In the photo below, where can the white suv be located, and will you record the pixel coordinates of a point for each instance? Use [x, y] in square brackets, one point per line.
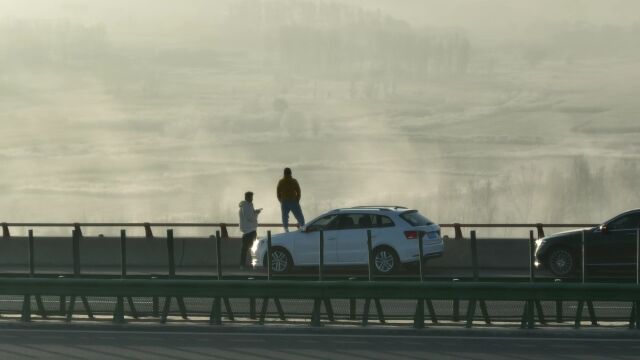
[394, 230]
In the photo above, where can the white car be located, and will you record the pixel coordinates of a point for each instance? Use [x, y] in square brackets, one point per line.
[394, 231]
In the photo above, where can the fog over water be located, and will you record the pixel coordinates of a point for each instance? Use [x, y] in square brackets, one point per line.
[469, 110]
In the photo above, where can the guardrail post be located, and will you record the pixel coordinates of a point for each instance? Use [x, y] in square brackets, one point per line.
[317, 302]
[223, 231]
[63, 302]
[118, 316]
[533, 305]
[123, 272]
[352, 304]
[76, 235]
[367, 301]
[155, 301]
[215, 317]
[471, 309]
[5, 231]
[457, 231]
[265, 300]
[321, 253]
[148, 233]
[540, 229]
[218, 255]
[418, 321]
[634, 320]
[172, 275]
[32, 272]
[26, 309]
[328, 307]
[27, 299]
[315, 316]
[227, 303]
[592, 312]
[26, 302]
[559, 315]
[456, 306]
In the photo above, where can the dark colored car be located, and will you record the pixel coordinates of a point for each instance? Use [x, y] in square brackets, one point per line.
[611, 246]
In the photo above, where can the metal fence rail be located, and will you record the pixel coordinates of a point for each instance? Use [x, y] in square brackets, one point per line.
[224, 226]
[471, 292]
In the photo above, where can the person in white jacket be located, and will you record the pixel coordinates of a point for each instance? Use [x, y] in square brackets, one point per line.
[248, 225]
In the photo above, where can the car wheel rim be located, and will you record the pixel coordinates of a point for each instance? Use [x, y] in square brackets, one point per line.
[279, 261]
[384, 261]
[561, 262]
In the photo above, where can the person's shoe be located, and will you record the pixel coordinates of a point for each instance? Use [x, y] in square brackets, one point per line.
[286, 229]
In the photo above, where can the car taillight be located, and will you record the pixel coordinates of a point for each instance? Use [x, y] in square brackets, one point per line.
[410, 235]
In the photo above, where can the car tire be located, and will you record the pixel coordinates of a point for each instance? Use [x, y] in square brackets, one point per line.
[385, 261]
[281, 261]
[561, 262]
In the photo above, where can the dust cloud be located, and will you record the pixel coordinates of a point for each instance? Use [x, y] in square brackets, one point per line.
[471, 111]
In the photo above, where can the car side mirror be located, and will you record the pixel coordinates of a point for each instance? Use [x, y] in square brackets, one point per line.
[604, 229]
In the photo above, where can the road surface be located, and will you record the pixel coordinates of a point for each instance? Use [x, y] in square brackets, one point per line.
[80, 342]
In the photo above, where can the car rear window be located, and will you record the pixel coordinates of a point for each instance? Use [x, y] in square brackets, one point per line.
[414, 218]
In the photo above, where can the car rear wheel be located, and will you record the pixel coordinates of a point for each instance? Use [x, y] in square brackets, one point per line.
[561, 262]
[385, 261]
[281, 261]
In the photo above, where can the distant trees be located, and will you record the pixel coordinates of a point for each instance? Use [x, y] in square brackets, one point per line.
[44, 43]
[329, 40]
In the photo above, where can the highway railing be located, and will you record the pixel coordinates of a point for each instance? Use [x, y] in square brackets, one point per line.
[327, 291]
[223, 227]
[474, 293]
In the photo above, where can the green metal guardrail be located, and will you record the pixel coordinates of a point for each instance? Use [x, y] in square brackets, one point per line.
[321, 291]
[419, 291]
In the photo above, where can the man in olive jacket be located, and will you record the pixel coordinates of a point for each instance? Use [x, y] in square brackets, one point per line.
[289, 196]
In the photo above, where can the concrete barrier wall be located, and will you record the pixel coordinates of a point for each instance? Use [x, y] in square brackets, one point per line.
[200, 252]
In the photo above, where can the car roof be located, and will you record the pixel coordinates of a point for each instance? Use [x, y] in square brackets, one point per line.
[373, 209]
[622, 214]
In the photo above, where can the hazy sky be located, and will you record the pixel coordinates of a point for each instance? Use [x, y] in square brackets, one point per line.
[480, 111]
[488, 18]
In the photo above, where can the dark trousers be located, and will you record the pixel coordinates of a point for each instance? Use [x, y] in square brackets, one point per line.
[247, 242]
[291, 206]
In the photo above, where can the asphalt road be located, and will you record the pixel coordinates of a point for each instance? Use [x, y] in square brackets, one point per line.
[73, 342]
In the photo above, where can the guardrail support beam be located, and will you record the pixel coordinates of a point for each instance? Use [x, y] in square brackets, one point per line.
[172, 274]
[540, 229]
[148, 233]
[592, 313]
[457, 231]
[5, 231]
[634, 320]
[76, 236]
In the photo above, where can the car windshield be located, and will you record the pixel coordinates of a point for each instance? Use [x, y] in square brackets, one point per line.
[321, 223]
[414, 218]
[631, 220]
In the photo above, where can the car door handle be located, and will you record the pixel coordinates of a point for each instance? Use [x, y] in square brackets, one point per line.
[331, 238]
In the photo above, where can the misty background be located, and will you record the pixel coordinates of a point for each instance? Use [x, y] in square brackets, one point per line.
[469, 110]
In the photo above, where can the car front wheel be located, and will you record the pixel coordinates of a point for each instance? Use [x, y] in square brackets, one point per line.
[561, 262]
[281, 261]
[385, 261]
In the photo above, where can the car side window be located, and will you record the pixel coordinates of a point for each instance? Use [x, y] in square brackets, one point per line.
[343, 222]
[627, 222]
[365, 221]
[323, 223]
[384, 221]
[368, 221]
